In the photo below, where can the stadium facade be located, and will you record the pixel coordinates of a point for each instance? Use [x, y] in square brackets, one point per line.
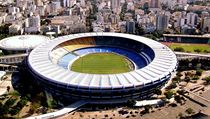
[154, 63]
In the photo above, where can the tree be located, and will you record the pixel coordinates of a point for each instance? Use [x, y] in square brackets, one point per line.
[169, 94]
[181, 92]
[157, 91]
[179, 49]
[146, 7]
[197, 50]
[187, 79]
[147, 108]
[199, 72]
[4, 29]
[176, 79]
[178, 99]
[189, 111]
[131, 103]
[2, 110]
[207, 79]
[195, 78]
[139, 30]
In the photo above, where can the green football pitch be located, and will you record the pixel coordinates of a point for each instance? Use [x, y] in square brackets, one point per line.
[102, 63]
[189, 47]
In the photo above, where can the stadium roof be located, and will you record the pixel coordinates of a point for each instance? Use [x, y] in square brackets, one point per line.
[22, 42]
[162, 65]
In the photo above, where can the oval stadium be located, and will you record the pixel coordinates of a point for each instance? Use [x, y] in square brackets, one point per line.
[102, 67]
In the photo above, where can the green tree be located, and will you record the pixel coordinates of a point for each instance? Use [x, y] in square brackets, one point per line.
[197, 50]
[187, 79]
[146, 7]
[169, 94]
[139, 30]
[179, 49]
[207, 79]
[199, 72]
[189, 111]
[131, 102]
[178, 99]
[147, 108]
[157, 91]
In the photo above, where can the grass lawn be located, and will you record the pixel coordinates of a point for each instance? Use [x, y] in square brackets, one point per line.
[102, 63]
[189, 47]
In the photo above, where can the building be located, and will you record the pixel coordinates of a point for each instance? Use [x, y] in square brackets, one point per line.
[206, 25]
[38, 3]
[21, 43]
[32, 24]
[54, 7]
[162, 21]
[15, 29]
[82, 3]
[154, 4]
[192, 19]
[130, 26]
[115, 6]
[68, 3]
[13, 10]
[49, 71]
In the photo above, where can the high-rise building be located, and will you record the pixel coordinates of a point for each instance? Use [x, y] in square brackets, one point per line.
[155, 4]
[38, 3]
[34, 21]
[130, 26]
[162, 22]
[115, 6]
[192, 19]
[82, 3]
[32, 24]
[206, 25]
[68, 3]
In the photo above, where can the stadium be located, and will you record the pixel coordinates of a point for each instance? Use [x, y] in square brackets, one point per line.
[102, 67]
[21, 43]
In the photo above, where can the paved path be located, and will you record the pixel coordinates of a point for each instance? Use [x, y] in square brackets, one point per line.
[61, 112]
[198, 98]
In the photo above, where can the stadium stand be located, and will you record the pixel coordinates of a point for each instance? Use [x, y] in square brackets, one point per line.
[65, 60]
[139, 54]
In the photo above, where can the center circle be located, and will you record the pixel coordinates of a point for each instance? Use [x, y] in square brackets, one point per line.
[102, 63]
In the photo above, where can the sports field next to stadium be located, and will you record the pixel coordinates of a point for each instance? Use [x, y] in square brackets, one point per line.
[102, 63]
[189, 47]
